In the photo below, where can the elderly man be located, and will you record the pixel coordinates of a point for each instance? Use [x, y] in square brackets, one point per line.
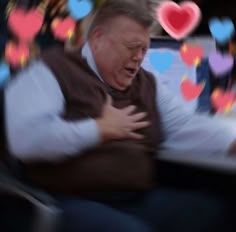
[87, 123]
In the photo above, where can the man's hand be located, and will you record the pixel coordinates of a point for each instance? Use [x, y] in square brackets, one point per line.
[120, 123]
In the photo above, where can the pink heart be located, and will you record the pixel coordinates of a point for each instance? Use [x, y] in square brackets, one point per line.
[63, 28]
[191, 54]
[178, 20]
[220, 63]
[190, 90]
[25, 24]
[222, 101]
[16, 55]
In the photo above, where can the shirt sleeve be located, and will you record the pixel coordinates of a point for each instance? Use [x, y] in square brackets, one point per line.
[35, 130]
[184, 130]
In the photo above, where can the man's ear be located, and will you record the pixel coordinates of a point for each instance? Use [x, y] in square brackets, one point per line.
[97, 33]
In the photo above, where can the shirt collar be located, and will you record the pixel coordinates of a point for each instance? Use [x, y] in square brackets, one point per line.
[87, 54]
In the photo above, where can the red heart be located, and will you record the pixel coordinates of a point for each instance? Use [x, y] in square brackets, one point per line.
[16, 55]
[63, 28]
[178, 20]
[190, 90]
[222, 101]
[25, 24]
[191, 54]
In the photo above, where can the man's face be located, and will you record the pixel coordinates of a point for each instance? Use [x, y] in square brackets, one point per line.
[118, 49]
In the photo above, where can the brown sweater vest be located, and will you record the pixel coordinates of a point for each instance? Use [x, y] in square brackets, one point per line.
[119, 165]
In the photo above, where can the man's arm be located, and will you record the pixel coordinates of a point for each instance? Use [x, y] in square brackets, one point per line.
[36, 130]
[34, 127]
[189, 132]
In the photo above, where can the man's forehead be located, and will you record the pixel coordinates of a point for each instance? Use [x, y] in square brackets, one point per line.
[136, 34]
[136, 39]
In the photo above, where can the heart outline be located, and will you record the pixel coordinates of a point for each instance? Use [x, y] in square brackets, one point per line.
[216, 61]
[191, 54]
[191, 8]
[222, 101]
[216, 25]
[16, 55]
[190, 90]
[25, 24]
[4, 72]
[74, 8]
[63, 28]
[161, 60]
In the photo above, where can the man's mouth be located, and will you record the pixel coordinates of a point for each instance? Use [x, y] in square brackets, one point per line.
[131, 71]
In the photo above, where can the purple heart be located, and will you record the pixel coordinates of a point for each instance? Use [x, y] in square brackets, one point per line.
[219, 63]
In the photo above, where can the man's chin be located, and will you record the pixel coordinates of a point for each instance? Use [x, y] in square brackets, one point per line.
[125, 85]
[122, 85]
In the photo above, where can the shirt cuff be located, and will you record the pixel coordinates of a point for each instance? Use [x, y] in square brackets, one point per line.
[89, 134]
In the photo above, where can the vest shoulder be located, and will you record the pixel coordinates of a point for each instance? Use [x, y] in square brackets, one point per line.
[148, 75]
[145, 72]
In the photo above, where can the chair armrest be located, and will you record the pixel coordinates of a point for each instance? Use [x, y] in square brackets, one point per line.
[211, 172]
[47, 213]
[221, 162]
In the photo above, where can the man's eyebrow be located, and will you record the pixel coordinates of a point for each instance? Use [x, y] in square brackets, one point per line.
[136, 43]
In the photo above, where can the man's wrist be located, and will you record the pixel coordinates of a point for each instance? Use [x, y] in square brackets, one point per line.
[102, 130]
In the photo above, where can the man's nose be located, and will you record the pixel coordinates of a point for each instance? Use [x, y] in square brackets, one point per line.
[138, 55]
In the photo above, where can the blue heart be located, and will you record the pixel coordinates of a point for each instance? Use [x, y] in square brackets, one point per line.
[161, 61]
[223, 30]
[4, 73]
[79, 8]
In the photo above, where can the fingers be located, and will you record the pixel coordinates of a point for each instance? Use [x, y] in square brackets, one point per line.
[133, 135]
[139, 125]
[129, 109]
[139, 116]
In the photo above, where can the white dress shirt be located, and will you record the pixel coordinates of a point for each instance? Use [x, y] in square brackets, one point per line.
[36, 130]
